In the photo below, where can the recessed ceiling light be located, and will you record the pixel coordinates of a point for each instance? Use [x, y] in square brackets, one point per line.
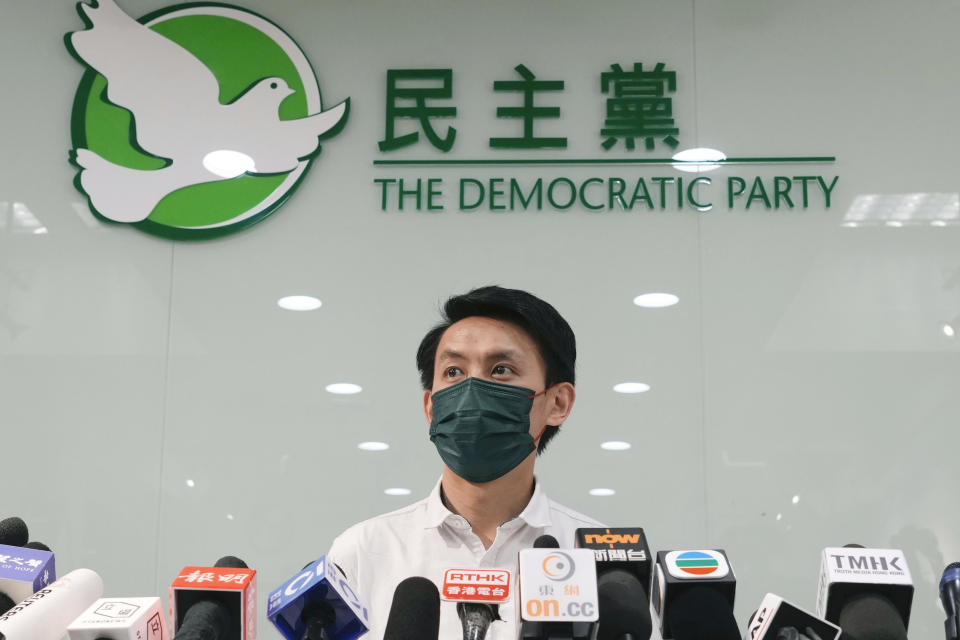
[299, 303]
[939, 223]
[698, 159]
[191, 483]
[949, 331]
[779, 516]
[656, 300]
[796, 499]
[397, 491]
[344, 388]
[229, 516]
[893, 223]
[602, 492]
[631, 387]
[39, 231]
[850, 225]
[373, 446]
[615, 445]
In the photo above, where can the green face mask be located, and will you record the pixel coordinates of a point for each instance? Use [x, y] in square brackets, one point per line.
[482, 429]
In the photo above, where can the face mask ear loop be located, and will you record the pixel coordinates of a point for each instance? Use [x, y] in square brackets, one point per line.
[536, 441]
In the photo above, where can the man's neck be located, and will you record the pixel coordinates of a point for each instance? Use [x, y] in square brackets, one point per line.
[487, 505]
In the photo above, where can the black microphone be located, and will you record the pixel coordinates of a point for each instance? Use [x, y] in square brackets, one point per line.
[546, 541]
[950, 597]
[212, 613]
[415, 611]
[868, 592]
[871, 616]
[475, 617]
[5, 603]
[39, 546]
[13, 532]
[619, 548]
[624, 613]
[693, 594]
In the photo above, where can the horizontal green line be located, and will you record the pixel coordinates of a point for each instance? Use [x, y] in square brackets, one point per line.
[568, 161]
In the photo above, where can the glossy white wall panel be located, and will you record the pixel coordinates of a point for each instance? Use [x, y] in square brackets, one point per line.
[804, 358]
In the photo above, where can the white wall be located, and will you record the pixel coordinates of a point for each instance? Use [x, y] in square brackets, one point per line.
[805, 358]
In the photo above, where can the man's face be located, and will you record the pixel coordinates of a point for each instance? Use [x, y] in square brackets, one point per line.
[490, 349]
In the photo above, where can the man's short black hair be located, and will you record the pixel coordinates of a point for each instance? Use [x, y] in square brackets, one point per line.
[550, 332]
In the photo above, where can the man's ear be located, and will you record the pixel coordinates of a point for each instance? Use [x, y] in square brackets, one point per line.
[428, 406]
[561, 398]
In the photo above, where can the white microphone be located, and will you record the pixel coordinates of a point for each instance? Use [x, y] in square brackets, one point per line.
[46, 614]
[120, 619]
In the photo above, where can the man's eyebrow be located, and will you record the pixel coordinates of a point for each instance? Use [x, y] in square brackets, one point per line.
[450, 354]
[505, 354]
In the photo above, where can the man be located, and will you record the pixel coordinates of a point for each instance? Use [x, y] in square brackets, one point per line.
[498, 375]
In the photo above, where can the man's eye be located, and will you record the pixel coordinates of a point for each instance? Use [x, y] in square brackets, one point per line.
[501, 370]
[452, 372]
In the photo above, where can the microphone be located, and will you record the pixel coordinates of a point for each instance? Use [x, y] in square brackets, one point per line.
[693, 593]
[215, 603]
[871, 616]
[46, 614]
[475, 618]
[478, 593]
[24, 571]
[546, 541]
[414, 612]
[950, 597]
[120, 619]
[13, 532]
[860, 587]
[33, 544]
[619, 548]
[624, 613]
[558, 592]
[777, 619]
[318, 604]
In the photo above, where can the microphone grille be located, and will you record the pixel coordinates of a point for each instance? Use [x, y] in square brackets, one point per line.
[953, 565]
[415, 611]
[39, 546]
[546, 541]
[232, 562]
[13, 532]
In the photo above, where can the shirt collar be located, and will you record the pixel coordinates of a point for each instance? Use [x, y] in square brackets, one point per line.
[535, 514]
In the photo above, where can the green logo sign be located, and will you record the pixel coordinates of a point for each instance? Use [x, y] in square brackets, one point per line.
[193, 121]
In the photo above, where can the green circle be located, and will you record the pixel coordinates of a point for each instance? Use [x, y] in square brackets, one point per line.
[238, 55]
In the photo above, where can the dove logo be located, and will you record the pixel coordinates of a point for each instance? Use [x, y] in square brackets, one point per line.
[193, 121]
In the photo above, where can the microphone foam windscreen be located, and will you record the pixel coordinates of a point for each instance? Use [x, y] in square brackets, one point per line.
[415, 612]
[39, 546]
[623, 606]
[205, 620]
[232, 562]
[702, 613]
[13, 532]
[546, 541]
[953, 565]
[871, 616]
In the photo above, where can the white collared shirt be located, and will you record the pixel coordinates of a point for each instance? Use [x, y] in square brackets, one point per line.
[425, 539]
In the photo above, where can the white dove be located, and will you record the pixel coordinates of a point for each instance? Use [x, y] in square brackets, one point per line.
[177, 114]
